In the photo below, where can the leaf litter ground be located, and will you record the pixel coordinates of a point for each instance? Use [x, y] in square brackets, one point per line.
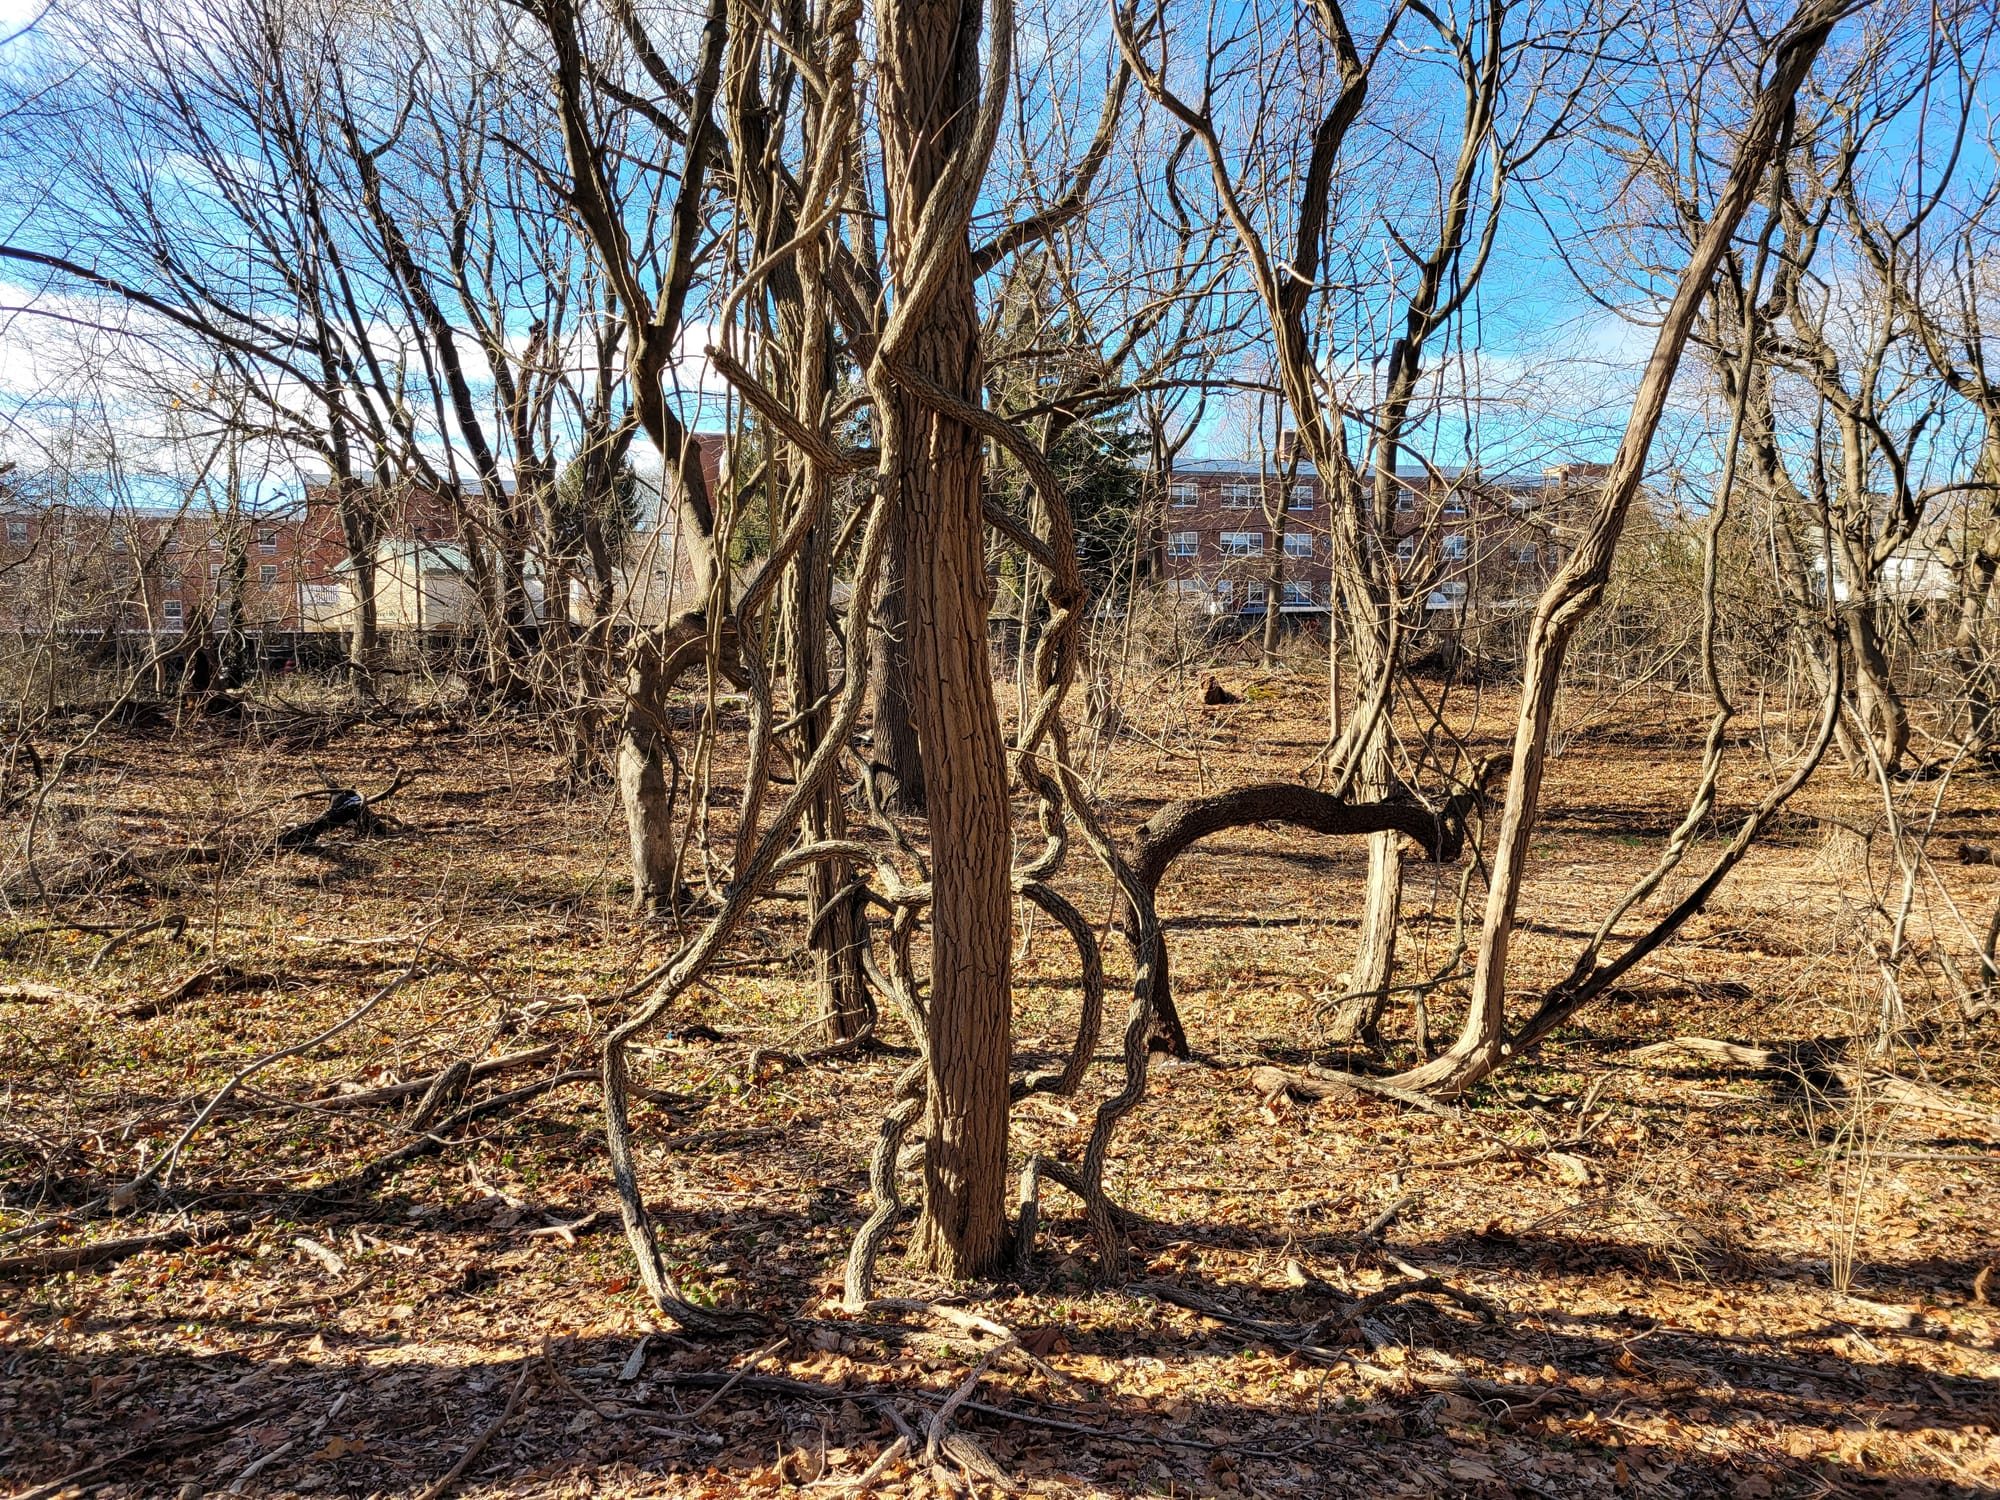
[1663, 1267]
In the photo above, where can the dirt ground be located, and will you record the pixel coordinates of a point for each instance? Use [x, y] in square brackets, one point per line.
[1680, 1279]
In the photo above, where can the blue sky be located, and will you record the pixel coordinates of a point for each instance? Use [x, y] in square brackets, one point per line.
[1545, 370]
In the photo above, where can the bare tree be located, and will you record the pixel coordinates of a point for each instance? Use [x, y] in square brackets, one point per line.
[1484, 1043]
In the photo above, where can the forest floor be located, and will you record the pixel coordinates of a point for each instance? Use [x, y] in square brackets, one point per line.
[1699, 1280]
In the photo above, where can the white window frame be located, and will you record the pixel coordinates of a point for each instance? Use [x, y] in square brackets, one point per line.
[267, 540]
[1406, 500]
[1452, 548]
[1298, 544]
[172, 612]
[1242, 543]
[1184, 544]
[267, 575]
[1302, 497]
[1238, 495]
[1454, 504]
[1183, 494]
[1253, 591]
[1297, 596]
[1406, 549]
[1187, 587]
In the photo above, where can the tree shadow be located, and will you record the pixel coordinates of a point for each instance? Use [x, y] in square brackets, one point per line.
[1423, 1400]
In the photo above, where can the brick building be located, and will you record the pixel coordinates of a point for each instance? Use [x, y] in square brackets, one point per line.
[104, 572]
[1471, 545]
[93, 571]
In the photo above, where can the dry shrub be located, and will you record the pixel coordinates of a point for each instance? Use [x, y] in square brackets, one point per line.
[1844, 852]
[1668, 1209]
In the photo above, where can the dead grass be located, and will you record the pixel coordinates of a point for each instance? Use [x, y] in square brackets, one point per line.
[1669, 1318]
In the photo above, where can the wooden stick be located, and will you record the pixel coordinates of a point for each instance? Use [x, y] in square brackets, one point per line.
[479, 1443]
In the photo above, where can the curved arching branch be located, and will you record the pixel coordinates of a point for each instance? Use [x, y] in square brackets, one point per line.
[1178, 826]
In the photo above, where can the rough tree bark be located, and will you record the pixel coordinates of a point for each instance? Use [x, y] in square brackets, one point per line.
[895, 731]
[937, 137]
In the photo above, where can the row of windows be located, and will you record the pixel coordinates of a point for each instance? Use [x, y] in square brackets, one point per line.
[1185, 494]
[174, 614]
[170, 575]
[1238, 544]
[1223, 590]
[1452, 546]
[267, 538]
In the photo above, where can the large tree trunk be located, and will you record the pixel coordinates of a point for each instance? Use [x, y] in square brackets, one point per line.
[965, 1171]
[643, 784]
[895, 730]
[1881, 705]
[1358, 1017]
[935, 142]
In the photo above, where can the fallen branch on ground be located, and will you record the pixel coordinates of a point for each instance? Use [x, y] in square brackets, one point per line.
[395, 1093]
[1819, 1065]
[434, 1139]
[126, 1194]
[173, 921]
[104, 1252]
[217, 979]
[347, 807]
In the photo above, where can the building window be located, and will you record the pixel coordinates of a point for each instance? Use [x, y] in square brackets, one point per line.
[1186, 587]
[1454, 547]
[1449, 595]
[267, 539]
[215, 541]
[1184, 544]
[1298, 595]
[17, 532]
[1240, 496]
[171, 613]
[267, 575]
[214, 571]
[1301, 497]
[1254, 594]
[1183, 494]
[1527, 555]
[1298, 544]
[1406, 500]
[170, 576]
[1242, 544]
[1454, 503]
[119, 543]
[1406, 549]
[1225, 591]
